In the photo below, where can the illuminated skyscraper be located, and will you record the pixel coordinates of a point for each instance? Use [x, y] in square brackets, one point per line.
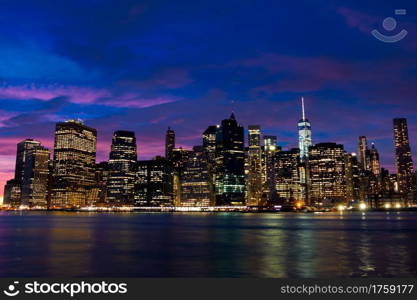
[230, 161]
[122, 173]
[403, 159]
[327, 172]
[12, 193]
[35, 177]
[154, 183]
[352, 177]
[169, 143]
[196, 183]
[74, 163]
[22, 148]
[364, 154]
[270, 149]
[254, 177]
[209, 143]
[287, 176]
[374, 161]
[304, 134]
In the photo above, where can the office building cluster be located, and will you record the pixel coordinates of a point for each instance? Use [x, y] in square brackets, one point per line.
[222, 171]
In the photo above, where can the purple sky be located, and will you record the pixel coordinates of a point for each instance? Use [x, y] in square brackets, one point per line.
[147, 65]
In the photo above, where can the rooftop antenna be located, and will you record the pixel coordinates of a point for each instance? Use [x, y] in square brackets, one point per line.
[302, 107]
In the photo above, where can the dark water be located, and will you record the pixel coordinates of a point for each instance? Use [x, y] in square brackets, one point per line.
[208, 245]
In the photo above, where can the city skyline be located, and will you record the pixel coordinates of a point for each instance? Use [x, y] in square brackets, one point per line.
[222, 170]
[247, 129]
[145, 65]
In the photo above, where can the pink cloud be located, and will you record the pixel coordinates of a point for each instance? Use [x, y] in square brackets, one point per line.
[80, 95]
[355, 19]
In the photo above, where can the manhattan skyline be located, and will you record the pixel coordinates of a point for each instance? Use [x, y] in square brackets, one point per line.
[149, 65]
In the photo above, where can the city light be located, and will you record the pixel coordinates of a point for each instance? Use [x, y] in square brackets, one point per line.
[362, 206]
[387, 205]
[341, 208]
[397, 205]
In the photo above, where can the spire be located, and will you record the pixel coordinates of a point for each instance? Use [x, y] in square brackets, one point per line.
[232, 116]
[302, 107]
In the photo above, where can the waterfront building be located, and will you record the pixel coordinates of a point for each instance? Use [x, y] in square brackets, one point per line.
[154, 183]
[74, 163]
[36, 177]
[364, 154]
[169, 143]
[122, 173]
[22, 148]
[375, 165]
[269, 172]
[254, 176]
[327, 173]
[403, 158]
[196, 183]
[287, 172]
[353, 177]
[12, 193]
[230, 160]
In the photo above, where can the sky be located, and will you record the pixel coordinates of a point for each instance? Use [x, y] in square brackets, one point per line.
[147, 65]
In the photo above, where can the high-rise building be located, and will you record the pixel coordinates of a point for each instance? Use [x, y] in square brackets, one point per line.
[327, 173]
[230, 161]
[254, 176]
[196, 183]
[122, 164]
[403, 158]
[169, 143]
[154, 183]
[304, 134]
[374, 161]
[22, 148]
[364, 154]
[353, 173]
[209, 143]
[287, 172]
[35, 177]
[102, 173]
[74, 163]
[12, 193]
[270, 149]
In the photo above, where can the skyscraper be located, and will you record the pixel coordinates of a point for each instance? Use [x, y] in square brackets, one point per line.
[122, 163]
[254, 177]
[403, 159]
[230, 161]
[22, 148]
[74, 163]
[35, 177]
[270, 149]
[287, 176]
[154, 184]
[364, 154]
[169, 143]
[304, 134]
[327, 172]
[374, 161]
[209, 142]
[196, 183]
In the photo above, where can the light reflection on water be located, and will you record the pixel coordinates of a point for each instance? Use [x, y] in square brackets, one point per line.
[208, 245]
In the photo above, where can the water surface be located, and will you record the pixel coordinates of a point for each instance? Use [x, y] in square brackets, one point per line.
[208, 244]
